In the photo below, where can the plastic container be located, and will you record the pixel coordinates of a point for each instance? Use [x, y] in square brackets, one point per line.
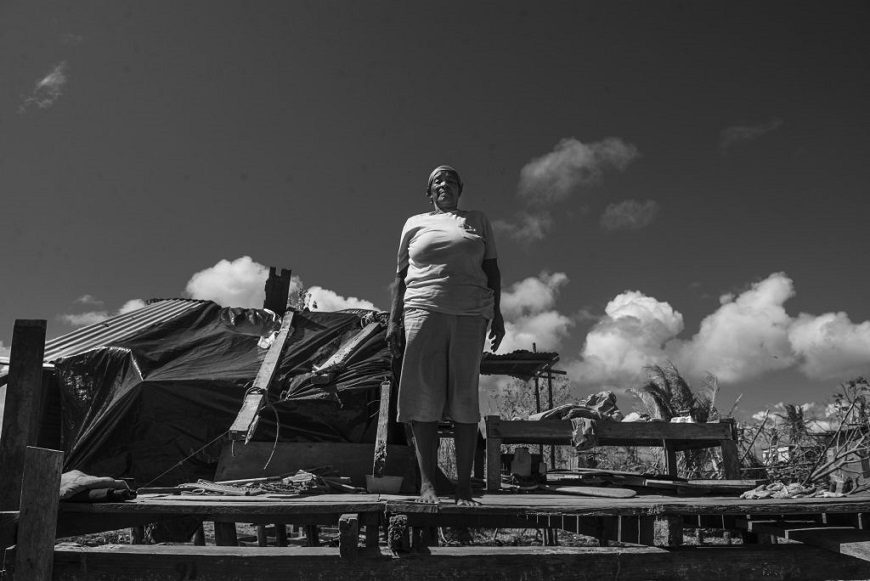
[383, 484]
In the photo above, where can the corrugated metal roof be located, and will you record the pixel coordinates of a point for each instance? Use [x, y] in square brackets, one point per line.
[118, 328]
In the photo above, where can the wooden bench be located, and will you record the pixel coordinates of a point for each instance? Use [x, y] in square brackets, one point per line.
[672, 437]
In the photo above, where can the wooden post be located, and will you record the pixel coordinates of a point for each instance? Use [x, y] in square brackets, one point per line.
[277, 291]
[398, 535]
[493, 454]
[262, 539]
[312, 535]
[372, 522]
[348, 535]
[670, 458]
[225, 534]
[661, 530]
[40, 496]
[21, 417]
[280, 535]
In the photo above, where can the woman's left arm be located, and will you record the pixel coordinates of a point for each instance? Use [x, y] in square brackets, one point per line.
[493, 281]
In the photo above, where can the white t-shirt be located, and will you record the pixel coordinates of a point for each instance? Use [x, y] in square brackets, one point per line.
[444, 253]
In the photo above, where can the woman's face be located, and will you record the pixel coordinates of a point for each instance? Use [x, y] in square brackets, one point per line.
[445, 191]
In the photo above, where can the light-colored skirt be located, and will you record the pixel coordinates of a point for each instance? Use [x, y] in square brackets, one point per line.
[441, 367]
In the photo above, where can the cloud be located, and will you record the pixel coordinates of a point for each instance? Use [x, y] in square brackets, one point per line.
[530, 316]
[89, 300]
[84, 319]
[736, 134]
[237, 283]
[831, 346]
[748, 335]
[48, 89]
[571, 165]
[97, 316]
[4, 350]
[528, 226]
[633, 334]
[629, 215]
[321, 299]
[131, 305]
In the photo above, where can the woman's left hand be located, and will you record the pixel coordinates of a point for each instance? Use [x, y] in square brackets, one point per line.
[496, 331]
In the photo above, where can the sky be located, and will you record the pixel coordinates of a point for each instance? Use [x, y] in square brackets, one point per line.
[669, 181]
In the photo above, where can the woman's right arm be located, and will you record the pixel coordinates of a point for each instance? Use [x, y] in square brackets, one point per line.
[395, 338]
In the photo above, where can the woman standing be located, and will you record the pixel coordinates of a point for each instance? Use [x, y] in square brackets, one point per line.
[447, 293]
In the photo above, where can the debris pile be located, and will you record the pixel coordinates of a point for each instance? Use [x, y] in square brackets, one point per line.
[794, 490]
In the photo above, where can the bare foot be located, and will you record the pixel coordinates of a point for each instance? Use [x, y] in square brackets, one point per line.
[463, 496]
[427, 494]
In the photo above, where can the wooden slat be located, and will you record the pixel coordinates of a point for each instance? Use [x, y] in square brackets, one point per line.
[164, 563]
[337, 361]
[380, 458]
[39, 502]
[245, 423]
[225, 534]
[844, 540]
[616, 433]
[21, 414]
[348, 536]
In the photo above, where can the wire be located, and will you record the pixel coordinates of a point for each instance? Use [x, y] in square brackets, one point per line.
[185, 459]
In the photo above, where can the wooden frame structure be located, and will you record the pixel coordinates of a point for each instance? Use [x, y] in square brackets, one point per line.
[672, 437]
[831, 532]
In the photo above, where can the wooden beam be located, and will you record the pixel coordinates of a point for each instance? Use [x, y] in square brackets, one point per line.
[337, 362]
[21, 415]
[39, 501]
[170, 563]
[380, 459]
[348, 536]
[225, 534]
[277, 291]
[246, 421]
[493, 453]
[843, 540]
[8, 528]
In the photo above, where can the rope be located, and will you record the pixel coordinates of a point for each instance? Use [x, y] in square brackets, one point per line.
[185, 459]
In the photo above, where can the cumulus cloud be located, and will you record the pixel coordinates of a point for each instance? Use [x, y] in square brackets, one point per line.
[633, 333]
[4, 350]
[237, 283]
[629, 215]
[750, 334]
[48, 89]
[831, 346]
[736, 134]
[746, 336]
[527, 227]
[559, 174]
[97, 316]
[89, 300]
[321, 299]
[528, 307]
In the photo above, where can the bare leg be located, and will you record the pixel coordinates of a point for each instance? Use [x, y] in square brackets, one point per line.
[465, 436]
[426, 439]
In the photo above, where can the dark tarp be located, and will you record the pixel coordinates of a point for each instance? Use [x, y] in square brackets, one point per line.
[160, 401]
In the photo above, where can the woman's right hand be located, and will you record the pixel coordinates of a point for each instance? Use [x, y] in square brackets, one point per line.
[395, 339]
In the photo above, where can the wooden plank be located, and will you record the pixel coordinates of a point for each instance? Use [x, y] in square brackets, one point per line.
[336, 363]
[371, 521]
[348, 536]
[353, 460]
[380, 456]
[23, 406]
[839, 539]
[597, 491]
[165, 563]
[670, 459]
[39, 502]
[245, 423]
[493, 453]
[609, 433]
[730, 459]
[312, 536]
[262, 538]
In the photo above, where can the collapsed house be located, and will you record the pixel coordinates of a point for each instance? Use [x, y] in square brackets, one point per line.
[152, 394]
